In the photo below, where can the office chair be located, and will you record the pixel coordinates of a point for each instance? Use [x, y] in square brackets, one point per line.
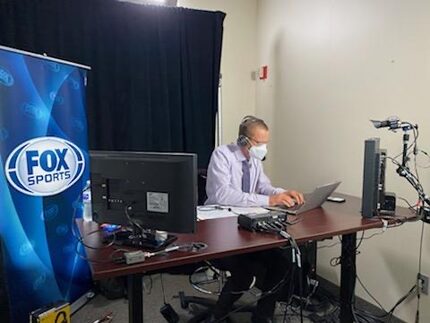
[213, 278]
[208, 278]
[212, 283]
[201, 185]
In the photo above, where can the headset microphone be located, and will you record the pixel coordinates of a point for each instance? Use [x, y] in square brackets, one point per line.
[242, 140]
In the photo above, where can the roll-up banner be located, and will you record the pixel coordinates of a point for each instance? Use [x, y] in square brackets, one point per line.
[43, 171]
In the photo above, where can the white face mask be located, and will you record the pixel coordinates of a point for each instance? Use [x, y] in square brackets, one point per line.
[259, 151]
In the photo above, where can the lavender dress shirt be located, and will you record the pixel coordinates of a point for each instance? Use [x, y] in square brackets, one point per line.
[224, 179]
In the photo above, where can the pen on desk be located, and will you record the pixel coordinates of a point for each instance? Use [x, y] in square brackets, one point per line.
[106, 318]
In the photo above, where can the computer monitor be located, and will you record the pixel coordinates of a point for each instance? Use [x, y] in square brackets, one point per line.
[373, 194]
[149, 190]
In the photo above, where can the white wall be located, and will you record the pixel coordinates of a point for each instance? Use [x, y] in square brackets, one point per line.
[333, 65]
[238, 60]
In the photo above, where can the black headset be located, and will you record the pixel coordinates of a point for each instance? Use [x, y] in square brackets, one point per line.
[61, 317]
[243, 140]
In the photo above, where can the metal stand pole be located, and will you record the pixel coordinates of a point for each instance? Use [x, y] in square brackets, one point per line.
[218, 130]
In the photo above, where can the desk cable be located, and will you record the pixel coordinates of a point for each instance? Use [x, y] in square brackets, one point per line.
[296, 258]
[362, 315]
[80, 241]
[78, 237]
[275, 289]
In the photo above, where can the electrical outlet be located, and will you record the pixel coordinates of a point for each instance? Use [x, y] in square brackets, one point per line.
[423, 283]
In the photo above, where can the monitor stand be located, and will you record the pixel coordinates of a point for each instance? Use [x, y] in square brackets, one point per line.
[137, 238]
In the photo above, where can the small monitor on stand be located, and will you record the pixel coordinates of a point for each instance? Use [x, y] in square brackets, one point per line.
[375, 200]
[145, 192]
[371, 177]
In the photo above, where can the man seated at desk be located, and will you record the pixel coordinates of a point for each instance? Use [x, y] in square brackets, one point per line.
[235, 177]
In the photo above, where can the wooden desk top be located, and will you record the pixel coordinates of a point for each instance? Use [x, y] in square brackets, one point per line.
[225, 239]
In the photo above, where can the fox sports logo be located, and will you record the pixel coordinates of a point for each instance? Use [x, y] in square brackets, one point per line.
[44, 166]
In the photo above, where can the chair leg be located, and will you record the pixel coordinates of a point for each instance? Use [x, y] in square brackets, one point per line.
[200, 317]
[210, 305]
[203, 314]
[186, 300]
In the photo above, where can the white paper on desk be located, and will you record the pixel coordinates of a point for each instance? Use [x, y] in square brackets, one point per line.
[213, 214]
[249, 210]
[227, 211]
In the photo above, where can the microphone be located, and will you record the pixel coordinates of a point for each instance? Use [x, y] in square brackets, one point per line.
[391, 122]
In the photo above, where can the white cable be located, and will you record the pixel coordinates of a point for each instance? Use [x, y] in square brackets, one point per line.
[385, 225]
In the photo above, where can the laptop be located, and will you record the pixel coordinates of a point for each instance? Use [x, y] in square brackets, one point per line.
[312, 200]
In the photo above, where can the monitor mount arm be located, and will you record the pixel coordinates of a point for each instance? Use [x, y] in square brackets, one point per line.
[404, 171]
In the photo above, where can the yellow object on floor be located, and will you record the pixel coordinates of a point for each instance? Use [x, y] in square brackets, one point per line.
[57, 313]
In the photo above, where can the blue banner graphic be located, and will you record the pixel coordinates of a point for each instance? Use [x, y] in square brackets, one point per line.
[43, 170]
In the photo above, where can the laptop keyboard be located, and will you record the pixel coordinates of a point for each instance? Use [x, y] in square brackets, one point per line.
[295, 207]
[291, 209]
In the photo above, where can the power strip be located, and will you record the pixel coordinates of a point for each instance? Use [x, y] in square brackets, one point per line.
[134, 257]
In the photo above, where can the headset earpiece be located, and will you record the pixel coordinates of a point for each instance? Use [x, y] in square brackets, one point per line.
[248, 119]
[242, 141]
[245, 124]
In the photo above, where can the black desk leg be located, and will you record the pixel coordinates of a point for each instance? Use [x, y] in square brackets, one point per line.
[135, 298]
[347, 277]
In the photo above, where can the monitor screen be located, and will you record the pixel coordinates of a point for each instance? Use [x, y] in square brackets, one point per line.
[153, 190]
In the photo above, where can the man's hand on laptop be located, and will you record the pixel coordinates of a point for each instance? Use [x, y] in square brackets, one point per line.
[287, 198]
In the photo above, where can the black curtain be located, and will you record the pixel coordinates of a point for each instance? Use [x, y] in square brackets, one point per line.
[154, 79]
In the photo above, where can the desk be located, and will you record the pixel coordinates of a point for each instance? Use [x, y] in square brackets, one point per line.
[225, 239]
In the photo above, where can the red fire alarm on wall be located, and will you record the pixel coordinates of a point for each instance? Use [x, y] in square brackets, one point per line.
[263, 72]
